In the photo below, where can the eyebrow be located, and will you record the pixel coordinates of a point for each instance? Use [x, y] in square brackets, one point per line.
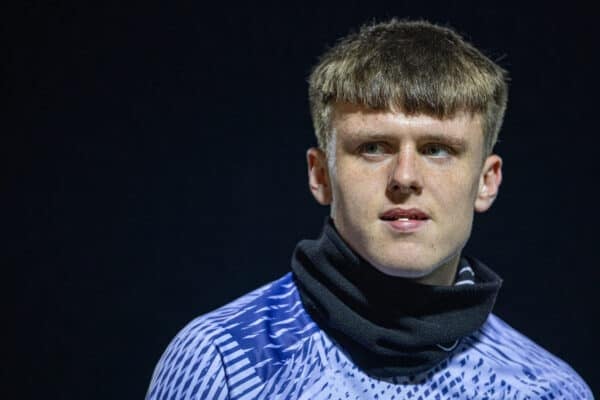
[446, 139]
[429, 137]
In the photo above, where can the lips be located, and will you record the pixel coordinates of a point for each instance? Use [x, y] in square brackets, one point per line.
[404, 214]
[405, 221]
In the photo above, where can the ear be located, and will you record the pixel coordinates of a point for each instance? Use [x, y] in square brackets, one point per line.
[489, 183]
[318, 175]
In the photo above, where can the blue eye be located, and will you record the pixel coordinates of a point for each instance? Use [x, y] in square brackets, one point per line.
[372, 148]
[436, 150]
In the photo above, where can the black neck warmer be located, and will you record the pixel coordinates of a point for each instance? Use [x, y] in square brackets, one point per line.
[389, 326]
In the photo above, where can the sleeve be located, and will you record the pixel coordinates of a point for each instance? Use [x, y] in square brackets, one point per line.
[191, 368]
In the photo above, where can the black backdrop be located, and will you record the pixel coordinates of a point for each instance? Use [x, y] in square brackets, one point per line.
[156, 171]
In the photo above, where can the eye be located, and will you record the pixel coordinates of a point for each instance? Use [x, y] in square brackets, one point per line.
[372, 148]
[436, 150]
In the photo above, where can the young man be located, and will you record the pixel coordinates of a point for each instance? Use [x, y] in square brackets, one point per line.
[382, 305]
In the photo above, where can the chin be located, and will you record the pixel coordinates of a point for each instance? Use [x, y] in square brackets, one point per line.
[405, 268]
[406, 272]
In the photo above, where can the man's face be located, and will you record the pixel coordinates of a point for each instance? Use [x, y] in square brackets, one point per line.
[403, 188]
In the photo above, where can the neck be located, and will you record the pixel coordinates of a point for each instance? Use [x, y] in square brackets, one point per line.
[389, 325]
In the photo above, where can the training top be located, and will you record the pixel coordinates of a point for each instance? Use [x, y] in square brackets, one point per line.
[265, 345]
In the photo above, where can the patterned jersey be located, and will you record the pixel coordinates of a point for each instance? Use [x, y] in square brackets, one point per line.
[264, 345]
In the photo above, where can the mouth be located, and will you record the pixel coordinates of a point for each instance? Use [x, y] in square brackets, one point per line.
[401, 214]
[402, 220]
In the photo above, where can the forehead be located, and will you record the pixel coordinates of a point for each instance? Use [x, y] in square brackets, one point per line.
[350, 121]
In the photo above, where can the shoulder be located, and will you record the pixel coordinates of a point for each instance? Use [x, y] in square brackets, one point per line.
[190, 366]
[501, 353]
[234, 349]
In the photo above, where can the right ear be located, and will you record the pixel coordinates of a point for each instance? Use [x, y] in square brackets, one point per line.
[318, 175]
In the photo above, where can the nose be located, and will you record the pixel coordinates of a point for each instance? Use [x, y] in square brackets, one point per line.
[405, 177]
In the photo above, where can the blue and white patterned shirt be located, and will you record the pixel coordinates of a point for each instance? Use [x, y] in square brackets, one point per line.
[264, 345]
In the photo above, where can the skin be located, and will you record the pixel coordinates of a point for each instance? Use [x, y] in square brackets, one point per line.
[379, 160]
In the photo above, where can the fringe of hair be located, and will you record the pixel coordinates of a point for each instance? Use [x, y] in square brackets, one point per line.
[412, 66]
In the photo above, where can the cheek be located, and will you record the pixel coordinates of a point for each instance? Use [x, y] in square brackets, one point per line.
[356, 188]
[457, 191]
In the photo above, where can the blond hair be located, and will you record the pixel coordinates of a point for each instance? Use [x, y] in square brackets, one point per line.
[412, 66]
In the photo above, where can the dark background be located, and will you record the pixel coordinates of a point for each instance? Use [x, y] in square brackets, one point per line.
[155, 159]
